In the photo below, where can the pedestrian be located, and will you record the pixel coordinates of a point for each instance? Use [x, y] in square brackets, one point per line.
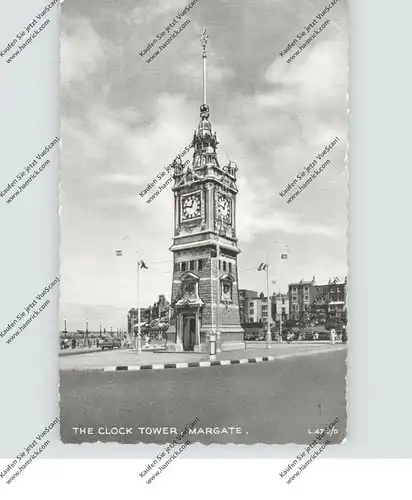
[73, 343]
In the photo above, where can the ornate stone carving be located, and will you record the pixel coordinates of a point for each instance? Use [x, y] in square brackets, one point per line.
[226, 289]
[189, 227]
[190, 291]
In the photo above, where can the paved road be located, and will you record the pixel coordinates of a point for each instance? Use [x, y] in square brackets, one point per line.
[129, 357]
[273, 402]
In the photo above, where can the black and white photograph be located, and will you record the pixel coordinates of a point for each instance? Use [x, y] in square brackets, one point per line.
[203, 222]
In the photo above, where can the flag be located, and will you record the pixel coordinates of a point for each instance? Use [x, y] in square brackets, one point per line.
[283, 255]
[119, 253]
[262, 267]
[143, 265]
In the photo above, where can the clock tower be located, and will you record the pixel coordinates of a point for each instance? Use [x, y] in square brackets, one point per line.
[205, 248]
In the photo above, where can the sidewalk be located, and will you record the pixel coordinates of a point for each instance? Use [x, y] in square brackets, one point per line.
[79, 350]
[131, 360]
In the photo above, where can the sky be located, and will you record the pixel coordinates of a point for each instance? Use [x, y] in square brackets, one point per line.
[124, 120]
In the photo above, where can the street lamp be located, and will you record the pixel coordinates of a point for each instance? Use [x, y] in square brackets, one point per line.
[138, 264]
[280, 317]
[269, 313]
[284, 256]
[138, 340]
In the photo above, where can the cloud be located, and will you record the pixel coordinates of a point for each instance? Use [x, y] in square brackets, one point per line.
[257, 220]
[314, 86]
[154, 9]
[124, 121]
[82, 51]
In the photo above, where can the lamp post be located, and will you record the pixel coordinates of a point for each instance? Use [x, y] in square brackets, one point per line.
[283, 256]
[280, 319]
[138, 264]
[138, 340]
[65, 325]
[267, 292]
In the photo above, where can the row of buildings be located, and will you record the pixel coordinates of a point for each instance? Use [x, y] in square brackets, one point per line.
[304, 297]
[159, 310]
[321, 300]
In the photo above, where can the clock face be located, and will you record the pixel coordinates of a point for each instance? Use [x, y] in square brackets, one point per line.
[223, 208]
[191, 206]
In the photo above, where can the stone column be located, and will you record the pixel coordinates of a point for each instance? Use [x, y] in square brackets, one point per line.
[179, 331]
[198, 346]
[176, 212]
[210, 207]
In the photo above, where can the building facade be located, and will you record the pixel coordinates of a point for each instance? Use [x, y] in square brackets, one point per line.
[282, 306]
[254, 307]
[245, 299]
[159, 310]
[132, 318]
[321, 302]
[300, 297]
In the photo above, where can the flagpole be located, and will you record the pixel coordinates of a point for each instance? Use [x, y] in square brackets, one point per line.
[280, 321]
[138, 344]
[269, 308]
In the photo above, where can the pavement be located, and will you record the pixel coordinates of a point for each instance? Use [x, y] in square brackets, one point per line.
[128, 359]
[273, 403]
[80, 350]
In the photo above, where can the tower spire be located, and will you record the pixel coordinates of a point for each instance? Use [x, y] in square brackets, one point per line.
[203, 40]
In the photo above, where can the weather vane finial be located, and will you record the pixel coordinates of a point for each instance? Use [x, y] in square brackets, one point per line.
[203, 40]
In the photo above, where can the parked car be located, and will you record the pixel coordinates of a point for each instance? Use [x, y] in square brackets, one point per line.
[110, 344]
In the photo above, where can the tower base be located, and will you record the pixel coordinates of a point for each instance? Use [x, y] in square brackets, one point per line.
[230, 338]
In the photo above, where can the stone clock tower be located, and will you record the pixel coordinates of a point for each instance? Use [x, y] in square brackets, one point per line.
[205, 273]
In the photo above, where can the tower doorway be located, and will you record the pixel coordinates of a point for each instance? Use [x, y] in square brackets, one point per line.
[189, 332]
